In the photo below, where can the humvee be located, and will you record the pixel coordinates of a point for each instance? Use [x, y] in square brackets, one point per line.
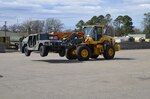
[43, 43]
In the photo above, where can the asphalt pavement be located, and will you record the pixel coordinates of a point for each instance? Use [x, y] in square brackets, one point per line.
[127, 76]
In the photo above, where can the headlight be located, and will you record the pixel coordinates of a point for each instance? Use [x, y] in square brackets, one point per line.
[51, 38]
[88, 35]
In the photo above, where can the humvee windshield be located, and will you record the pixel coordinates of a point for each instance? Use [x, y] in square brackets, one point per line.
[47, 36]
[44, 36]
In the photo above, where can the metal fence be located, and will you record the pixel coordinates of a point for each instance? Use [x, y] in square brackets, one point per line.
[135, 45]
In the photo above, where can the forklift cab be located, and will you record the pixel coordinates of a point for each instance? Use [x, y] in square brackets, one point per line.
[95, 32]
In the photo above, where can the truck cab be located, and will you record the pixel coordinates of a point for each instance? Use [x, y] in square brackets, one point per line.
[43, 43]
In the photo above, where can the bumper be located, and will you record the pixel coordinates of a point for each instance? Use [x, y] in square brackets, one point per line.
[53, 46]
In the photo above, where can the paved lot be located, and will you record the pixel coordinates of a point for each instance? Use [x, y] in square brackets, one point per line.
[52, 77]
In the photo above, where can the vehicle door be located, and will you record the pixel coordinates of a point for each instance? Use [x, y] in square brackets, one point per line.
[29, 43]
[33, 42]
[98, 33]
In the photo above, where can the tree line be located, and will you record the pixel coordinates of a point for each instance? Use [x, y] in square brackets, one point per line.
[36, 26]
[120, 26]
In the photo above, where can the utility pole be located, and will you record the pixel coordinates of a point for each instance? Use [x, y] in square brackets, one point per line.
[5, 28]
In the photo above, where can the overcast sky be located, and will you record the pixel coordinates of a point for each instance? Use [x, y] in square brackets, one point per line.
[71, 11]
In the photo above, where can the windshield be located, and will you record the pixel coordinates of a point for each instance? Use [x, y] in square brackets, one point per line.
[47, 36]
[44, 36]
[88, 31]
[93, 32]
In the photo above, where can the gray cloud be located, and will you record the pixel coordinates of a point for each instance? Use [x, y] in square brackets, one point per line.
[70, 11]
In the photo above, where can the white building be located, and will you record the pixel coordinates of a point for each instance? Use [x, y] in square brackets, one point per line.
[137, 37]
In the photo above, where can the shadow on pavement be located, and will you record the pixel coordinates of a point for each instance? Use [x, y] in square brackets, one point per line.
[1, 76]
[58, 61]
[102, 59]
[123, 59]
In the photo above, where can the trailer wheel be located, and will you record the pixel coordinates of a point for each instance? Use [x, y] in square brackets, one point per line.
[26, 51]
[71, 54]
[109, 52]
[83, 53]
[43, 51]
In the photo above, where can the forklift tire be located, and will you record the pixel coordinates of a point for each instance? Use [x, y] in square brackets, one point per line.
[43, 51]
[83, 53]
[109, 52]
[94, 56]
[70, 53]
[26, 51]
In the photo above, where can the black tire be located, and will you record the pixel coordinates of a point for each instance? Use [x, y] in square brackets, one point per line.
[22, 49]
[94, 56]
[26, 51]
[70, 53]
[82, 57]
[62, 53]
[43, 51]
[109, 52]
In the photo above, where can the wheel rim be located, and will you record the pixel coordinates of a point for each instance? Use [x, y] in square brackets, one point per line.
[110, 52]
[73, 52]
[84, 53]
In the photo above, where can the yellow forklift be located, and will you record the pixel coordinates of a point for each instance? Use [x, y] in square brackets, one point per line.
[95, 43]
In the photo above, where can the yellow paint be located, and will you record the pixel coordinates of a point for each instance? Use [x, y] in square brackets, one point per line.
[110, 52]
[84, 53]
[98, 45]
[74, 52]
[117, 47]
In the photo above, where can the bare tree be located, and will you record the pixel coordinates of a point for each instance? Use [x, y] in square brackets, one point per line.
[14, 28]
[137, 31]
[26, 26]
[33, 26]
[4, 27]
[37, 26]
[53, 25]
